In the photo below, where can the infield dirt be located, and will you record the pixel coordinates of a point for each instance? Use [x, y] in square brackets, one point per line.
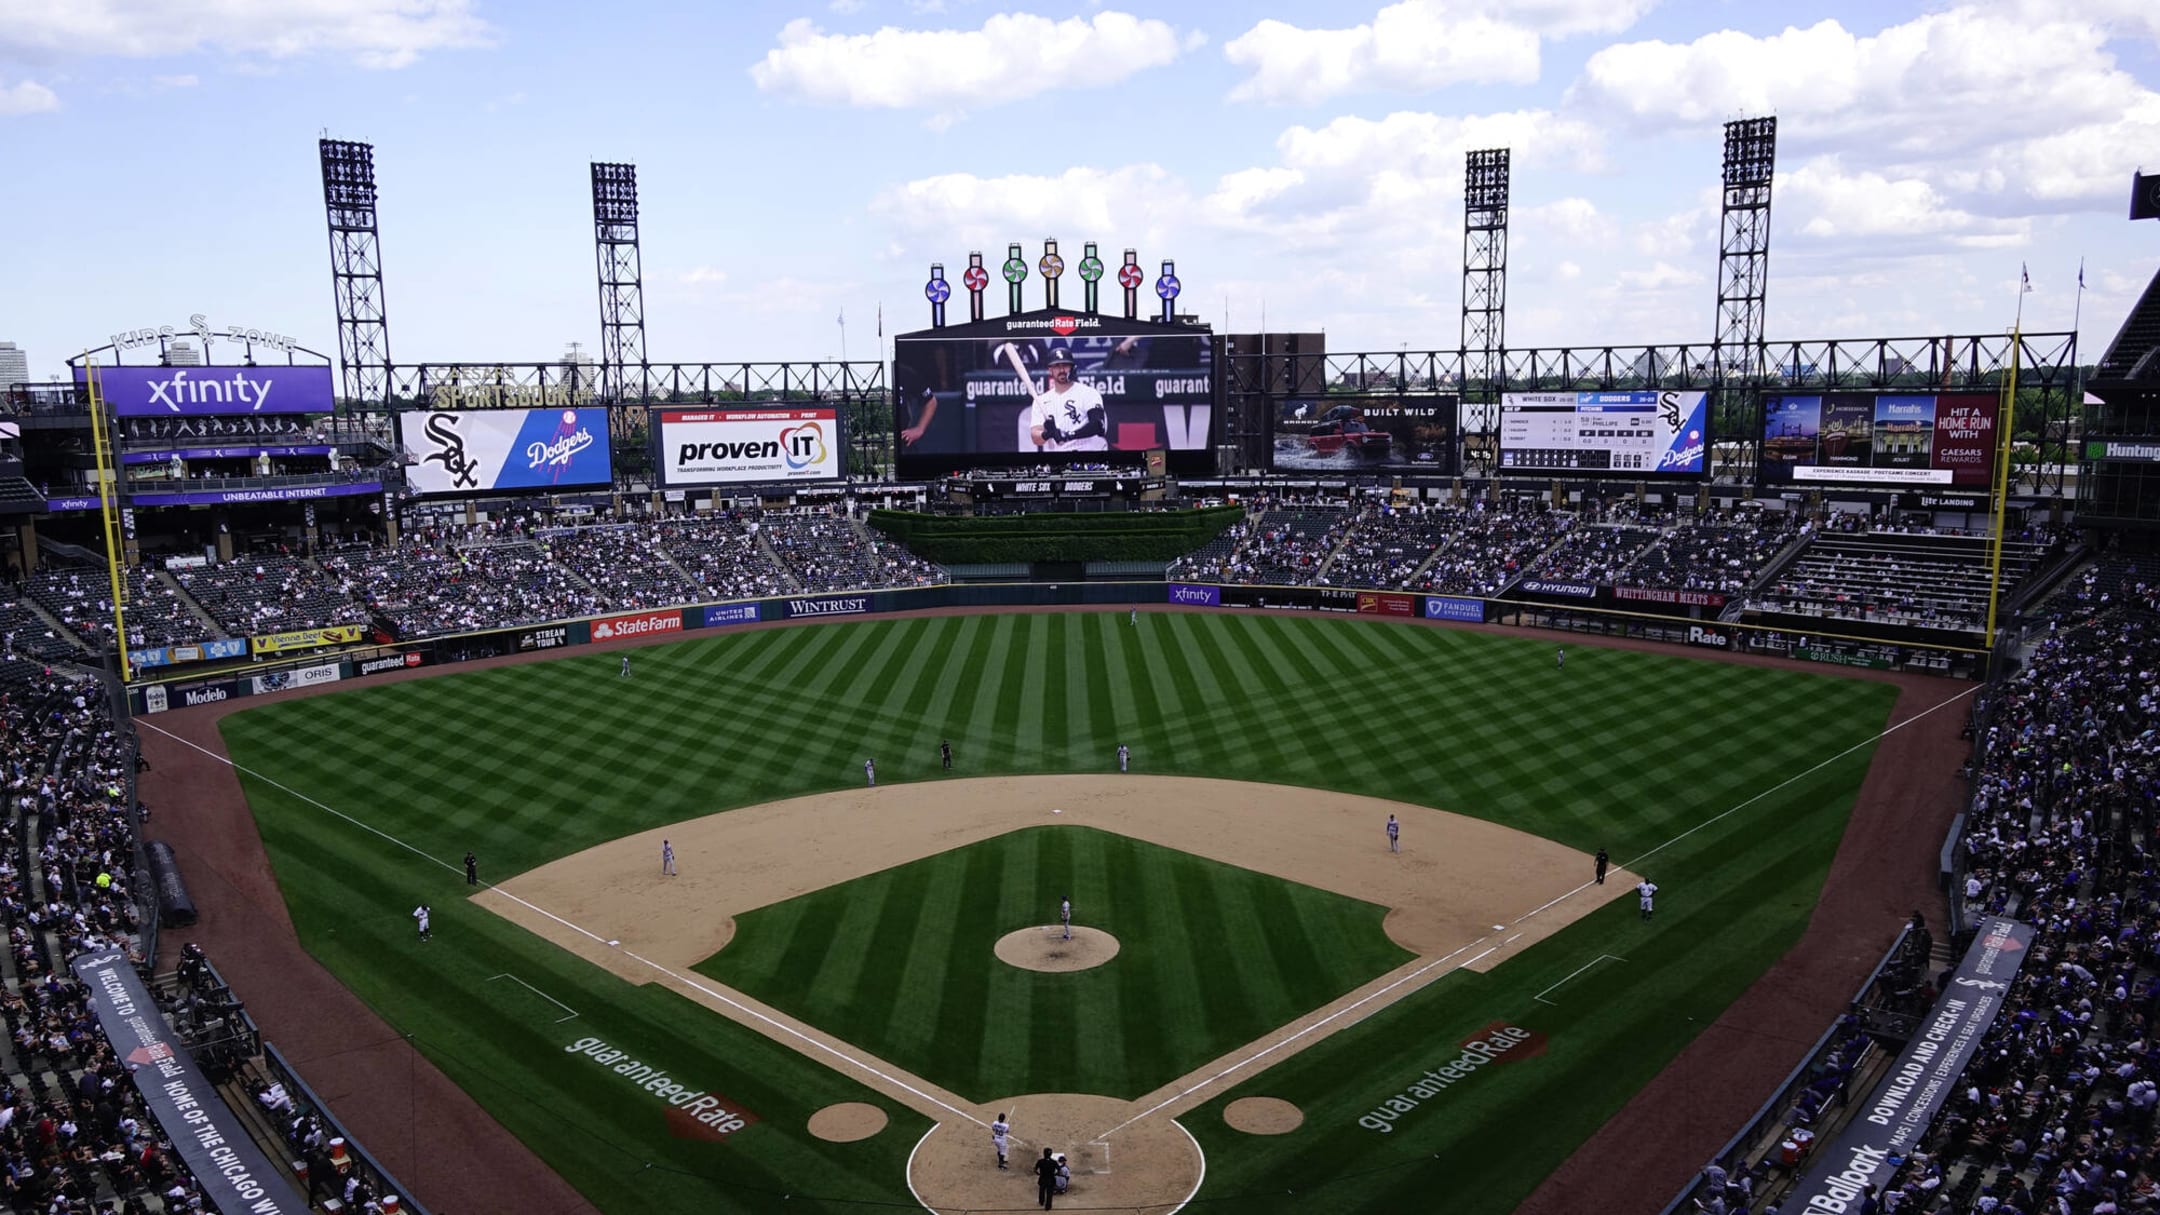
[1454, 878]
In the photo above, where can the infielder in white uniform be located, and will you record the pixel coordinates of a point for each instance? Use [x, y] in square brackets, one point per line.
[1648, 890]
[1068, 415]
[1065, 915]
[998, 1132]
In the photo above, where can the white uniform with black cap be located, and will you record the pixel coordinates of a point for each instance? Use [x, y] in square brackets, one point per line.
[1070, 413]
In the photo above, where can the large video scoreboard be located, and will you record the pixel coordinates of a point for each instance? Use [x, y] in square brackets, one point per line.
[1648, 433]
[1888, 438]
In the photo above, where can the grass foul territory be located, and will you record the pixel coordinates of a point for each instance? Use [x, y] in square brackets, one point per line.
[1468, 1091]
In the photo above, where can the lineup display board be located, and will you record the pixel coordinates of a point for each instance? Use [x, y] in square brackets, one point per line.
[1866, 438]
[479, 451]
[1050, 387]
[1645, 433]
[747, 446]
[1365, 433]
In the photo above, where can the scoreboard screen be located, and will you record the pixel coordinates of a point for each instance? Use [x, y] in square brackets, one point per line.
[1652, 433]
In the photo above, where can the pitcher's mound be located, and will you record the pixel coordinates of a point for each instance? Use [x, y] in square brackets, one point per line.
[847, 1122]
[1263, 1116]
[1045, 948]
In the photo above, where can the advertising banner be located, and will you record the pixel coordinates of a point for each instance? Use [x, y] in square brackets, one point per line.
[1365, 433]
[552, 637]
[740, 446]
[1879, 438]
[484, 451]
[188, 695]
[733, 613]
[1649, 594]
[214, 1142]
[1448, 607]
[1290, 598]
[1651, 432]
[1194, 595]
[305, 677]
[637, 624]
[289, 493]
[72, 502]
[201, 651]
[393, 662]
[2143, 451]
[225, 453]
[1383, 603]
[196, 392]
[306, 639]
[840, 605]
[1921, 1080]
[1709, 637]
[1573, 590]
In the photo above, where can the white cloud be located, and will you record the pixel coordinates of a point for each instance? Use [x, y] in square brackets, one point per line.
[702, 276]
[1013, 55]
[1134, 203]
[186, 80]
[1415, 45]
[1574, 220]
[1661, 276]
[846, 6]
[1832, 204]
[26, 97]
[376, 33]
[2012, 100]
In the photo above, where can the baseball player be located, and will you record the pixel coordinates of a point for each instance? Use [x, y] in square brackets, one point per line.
[1602, 861]
[1124, 758]
[1136, 616]
[944, 750]
[420, 916]
[1068, 415]
[667, 859]
[1560, 659]
[869, 771]
[472, 868]
[999, 1130]
[1065, 915]
[625, 666]
[1648, 890]
[1394, 834]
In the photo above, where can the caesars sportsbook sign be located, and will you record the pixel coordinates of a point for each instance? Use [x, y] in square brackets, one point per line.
[477, 451]
[740, 446]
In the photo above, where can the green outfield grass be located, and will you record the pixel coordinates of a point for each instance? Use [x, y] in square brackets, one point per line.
[1210, 957]
[526, 764]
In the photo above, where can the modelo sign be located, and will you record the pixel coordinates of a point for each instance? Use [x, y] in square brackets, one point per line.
[637, 624]
[740, 446]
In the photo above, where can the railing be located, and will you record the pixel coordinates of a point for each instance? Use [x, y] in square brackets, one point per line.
[282, 1071]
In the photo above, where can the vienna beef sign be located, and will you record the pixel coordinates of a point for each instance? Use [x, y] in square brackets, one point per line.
[1922, 1079]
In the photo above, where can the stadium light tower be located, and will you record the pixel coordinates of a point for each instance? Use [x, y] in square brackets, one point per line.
[356, 281]
[1744, 243]
[621, 270]
[1484, 276]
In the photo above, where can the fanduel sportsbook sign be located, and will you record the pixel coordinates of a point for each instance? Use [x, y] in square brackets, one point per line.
[163, 392]
[1894, 1119]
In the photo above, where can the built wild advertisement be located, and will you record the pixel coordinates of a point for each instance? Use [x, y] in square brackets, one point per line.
[457, 451]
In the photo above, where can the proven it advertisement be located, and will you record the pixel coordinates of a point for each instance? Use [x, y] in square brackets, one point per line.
[740, 446]
[478, 451]
[1866, 438]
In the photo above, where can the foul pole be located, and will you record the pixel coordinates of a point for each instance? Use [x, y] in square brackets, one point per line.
[108, 511]
[2006, 428]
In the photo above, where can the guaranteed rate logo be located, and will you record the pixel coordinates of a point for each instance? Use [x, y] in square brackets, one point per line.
[1498, 1042]
[693, 1113]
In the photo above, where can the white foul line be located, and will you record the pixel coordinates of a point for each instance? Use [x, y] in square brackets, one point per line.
[1420, 971]
[536, 991]
[1540, 997]
[693, 984]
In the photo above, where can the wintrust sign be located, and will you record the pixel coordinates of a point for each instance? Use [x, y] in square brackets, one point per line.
[639, 624]
[853, 605]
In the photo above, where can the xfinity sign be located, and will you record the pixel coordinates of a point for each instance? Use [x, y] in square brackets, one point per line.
[157, 392]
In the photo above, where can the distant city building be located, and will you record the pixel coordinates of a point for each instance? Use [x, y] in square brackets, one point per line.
[580, 373]
[182, 354]
[14, 366]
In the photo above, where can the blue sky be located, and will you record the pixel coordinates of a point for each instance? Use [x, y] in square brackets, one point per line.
[800, 160]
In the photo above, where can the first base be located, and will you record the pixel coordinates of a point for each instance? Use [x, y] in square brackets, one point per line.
[1499, 928]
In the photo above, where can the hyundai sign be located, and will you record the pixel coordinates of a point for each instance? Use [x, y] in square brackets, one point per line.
[486, 450]
[195, 392]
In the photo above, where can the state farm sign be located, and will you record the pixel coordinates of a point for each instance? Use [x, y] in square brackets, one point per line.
[637, 624]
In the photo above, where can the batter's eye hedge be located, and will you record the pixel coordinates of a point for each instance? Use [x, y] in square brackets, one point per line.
[1161, 535]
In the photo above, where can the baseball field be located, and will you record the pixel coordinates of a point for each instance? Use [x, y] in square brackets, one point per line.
[842, 986]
